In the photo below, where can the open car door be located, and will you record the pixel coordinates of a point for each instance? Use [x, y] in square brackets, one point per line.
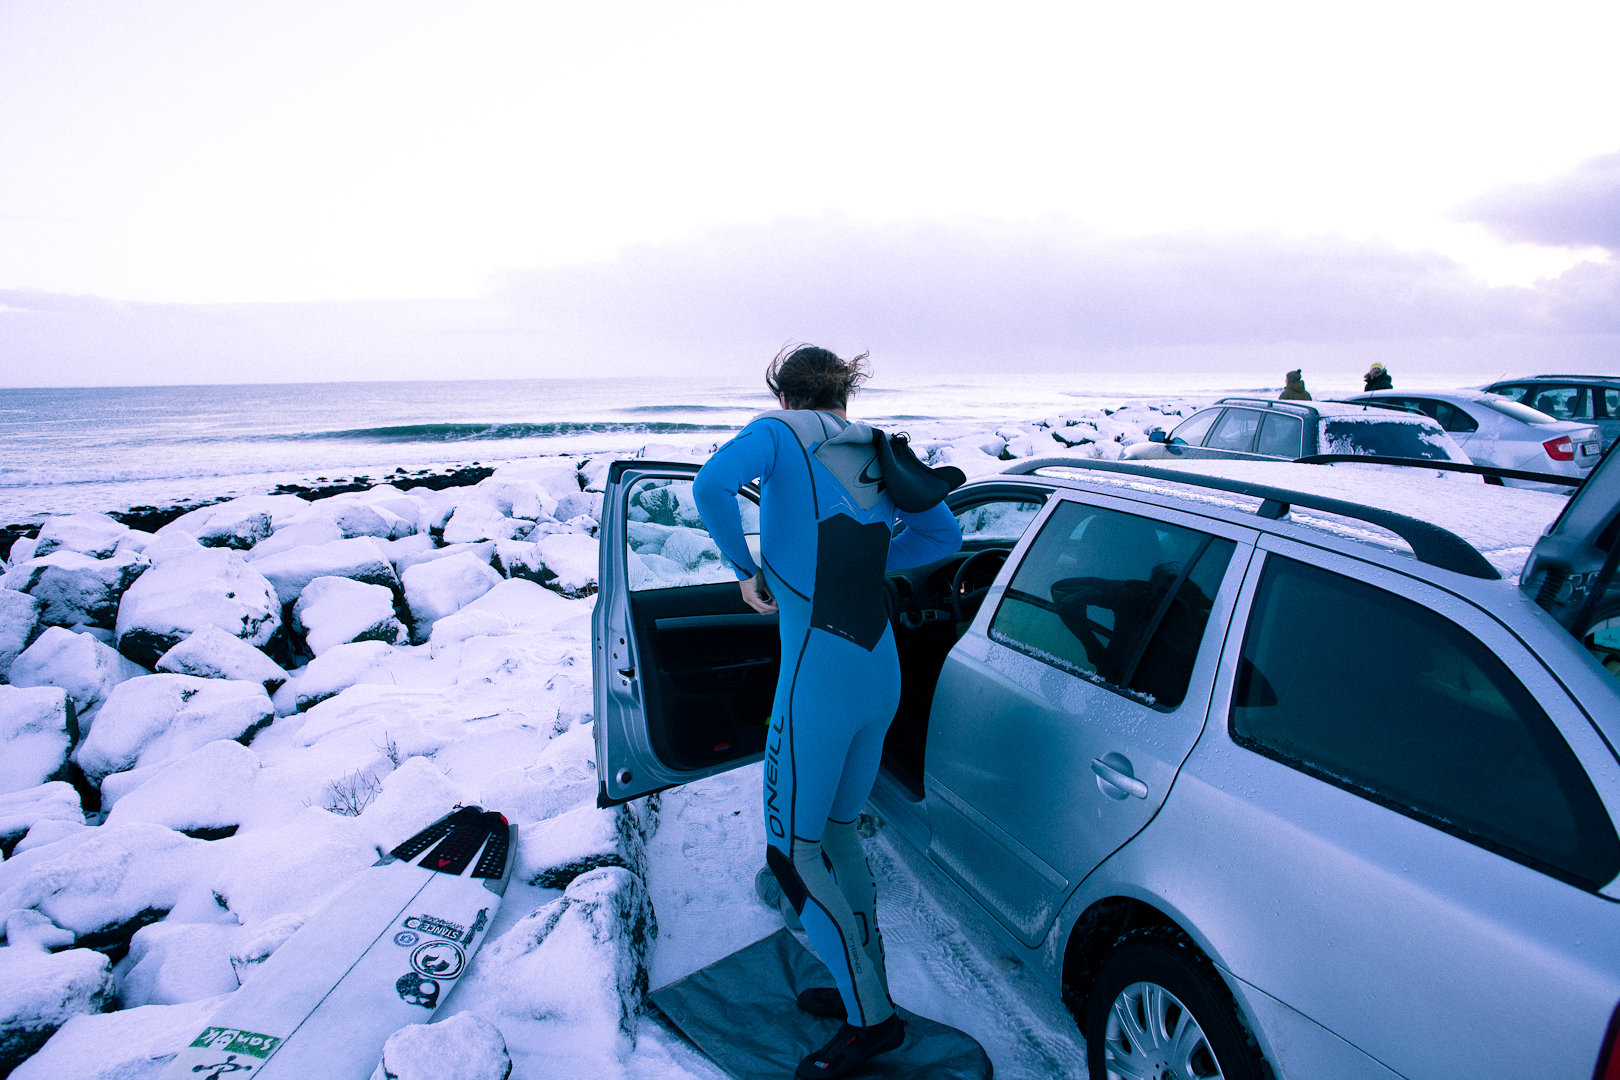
[683, 671]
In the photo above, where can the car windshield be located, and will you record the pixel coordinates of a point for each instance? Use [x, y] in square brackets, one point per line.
[1519, 411]
[1377, 437]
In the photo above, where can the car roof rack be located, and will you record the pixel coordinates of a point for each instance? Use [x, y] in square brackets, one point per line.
[1430, 543]
[1269, 403]
[1447, 466]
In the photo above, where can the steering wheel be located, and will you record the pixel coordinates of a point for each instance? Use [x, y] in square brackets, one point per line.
[965, 606]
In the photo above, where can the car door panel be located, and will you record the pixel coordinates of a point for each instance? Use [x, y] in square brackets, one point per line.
[1433, 954]
[1035, 774]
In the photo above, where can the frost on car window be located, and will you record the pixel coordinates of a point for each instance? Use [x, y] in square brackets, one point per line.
[1001, 520]
[668, 546]
[1377, 437]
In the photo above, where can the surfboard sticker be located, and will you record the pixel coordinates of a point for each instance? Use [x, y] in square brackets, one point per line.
[383, 953]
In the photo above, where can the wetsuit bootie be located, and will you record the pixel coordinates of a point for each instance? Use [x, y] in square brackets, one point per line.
[824, 1001]
[850, 1047]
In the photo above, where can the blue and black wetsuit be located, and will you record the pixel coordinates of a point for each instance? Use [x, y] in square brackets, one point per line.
[826, 538]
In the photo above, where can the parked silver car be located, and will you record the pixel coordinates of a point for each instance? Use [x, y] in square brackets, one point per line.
[1256, 791]
[1259, 428]
[1587, 399]
[1497, 430]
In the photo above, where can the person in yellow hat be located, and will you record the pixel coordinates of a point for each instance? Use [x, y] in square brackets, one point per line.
[1378, 379]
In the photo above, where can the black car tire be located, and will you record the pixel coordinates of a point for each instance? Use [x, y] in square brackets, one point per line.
[1161, 965]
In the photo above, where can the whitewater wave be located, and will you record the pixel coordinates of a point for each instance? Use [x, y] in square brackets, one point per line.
[430, 433]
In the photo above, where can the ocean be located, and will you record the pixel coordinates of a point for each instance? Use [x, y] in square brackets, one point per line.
[112, 448]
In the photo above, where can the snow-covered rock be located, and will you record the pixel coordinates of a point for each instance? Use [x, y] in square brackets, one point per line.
[311, 532]
[131, 1044]
[520, 497]
[552, 853]
[156, 718]
[561, 779]
[212, 653]
[240, 529]
[557, 475]
[355, 518]
[362, 559]
[334, 671]
[439, 588]
[580, 960]
[171, 963]
[79, 664]
[577, 503]
[19, 626]
[40, 991]
[22, 549]
[95, 535]
[22, 810]
[214, 587]
[573, 558]
[104, 878]
[404, 560]
[294, 868]
[258, 944]
[476, 521]
[520, 559]
[334, 611]
[170, 546]
[37, 728]
[514, 606]
[77, 589]
[464, 1047]
[210, 788]
[281, 508]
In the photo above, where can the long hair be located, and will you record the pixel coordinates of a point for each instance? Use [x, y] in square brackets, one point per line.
[811, 377]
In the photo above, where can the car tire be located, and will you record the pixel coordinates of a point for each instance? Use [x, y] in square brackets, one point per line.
[1158, 1008]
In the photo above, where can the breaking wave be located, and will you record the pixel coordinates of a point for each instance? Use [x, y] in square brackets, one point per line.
[448, 433]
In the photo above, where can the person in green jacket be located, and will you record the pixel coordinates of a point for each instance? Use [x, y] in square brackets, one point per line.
[1295, 390]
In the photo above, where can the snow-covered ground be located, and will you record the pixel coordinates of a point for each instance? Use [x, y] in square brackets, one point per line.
[206, 732]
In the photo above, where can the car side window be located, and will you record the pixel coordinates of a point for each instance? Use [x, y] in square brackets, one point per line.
[1610, 404]
[1451, 418]
[1521, 394]
[1236, 430]
[1191, 431]
[1393, 702]
[1563, 402]
[1000, 519]
[1115, 598]
[1281, 436]
[669, 546]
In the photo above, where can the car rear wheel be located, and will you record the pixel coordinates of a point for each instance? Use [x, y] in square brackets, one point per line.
[1158, 1010]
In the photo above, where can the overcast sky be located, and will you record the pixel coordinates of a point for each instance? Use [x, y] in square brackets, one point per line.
[226, 192]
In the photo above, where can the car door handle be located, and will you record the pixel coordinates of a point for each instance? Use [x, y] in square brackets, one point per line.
[1116, 774]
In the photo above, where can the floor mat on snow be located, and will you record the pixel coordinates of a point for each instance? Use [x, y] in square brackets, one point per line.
[742, 1011]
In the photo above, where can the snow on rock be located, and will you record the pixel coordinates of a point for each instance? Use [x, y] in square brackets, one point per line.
[312, 532]
[256, 945]
[132, 1044]
[19, 626]
[573, 558]
[439, 588]
[79, 664]
[362, 558]
[169, 546]
[355, 518]
[334, 611]
[579, 962]
[557, 475]
[95, 535]
[98, 880]
[562, 778]
[514, 497]
[464, 1047]
[156, 718]
[577, 503]
[282, 509]
[335, 670]
[76, 589]
[40, 991]
[593, 473]
[37, 728]
[210, 788]
[172, 963]
[515, 606]
[176, 598]
[411, 798]
[552, 853]
[22, 810]
[212, 653]
[404, 560]
[476, 521]
[521, 559]
[295, 867]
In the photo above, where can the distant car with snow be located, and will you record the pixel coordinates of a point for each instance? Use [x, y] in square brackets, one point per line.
[1265, 769]
[1497, 430]
[1259, 428]
[1585, 399]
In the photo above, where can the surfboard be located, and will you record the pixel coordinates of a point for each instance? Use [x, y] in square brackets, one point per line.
[380, 955]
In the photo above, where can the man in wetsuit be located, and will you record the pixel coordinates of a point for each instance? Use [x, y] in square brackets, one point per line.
[826, 538]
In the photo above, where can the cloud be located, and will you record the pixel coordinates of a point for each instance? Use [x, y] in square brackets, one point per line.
[1581, 208]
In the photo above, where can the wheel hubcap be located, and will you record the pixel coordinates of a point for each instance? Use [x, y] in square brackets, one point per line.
[1151, 1035]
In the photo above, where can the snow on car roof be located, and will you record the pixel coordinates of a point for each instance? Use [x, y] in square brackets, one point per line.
[1502, 523]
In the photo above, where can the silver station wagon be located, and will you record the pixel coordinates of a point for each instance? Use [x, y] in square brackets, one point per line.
[1266, 773]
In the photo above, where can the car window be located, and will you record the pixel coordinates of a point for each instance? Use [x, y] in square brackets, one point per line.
[1519, 411]
[1394, 702]
[1609, 402]
[1115, 598]
[1281, 436]
[1191, 431]
[1563, 402]
[1449, 416]
[668, 545]
[1001, 519]
[1517, 393]
[1378, 437]
[1235, 430]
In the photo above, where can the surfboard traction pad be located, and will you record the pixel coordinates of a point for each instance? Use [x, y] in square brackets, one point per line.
[742, 1011]
[443, 953]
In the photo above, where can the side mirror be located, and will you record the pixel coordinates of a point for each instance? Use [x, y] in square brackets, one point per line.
[1158, 435]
